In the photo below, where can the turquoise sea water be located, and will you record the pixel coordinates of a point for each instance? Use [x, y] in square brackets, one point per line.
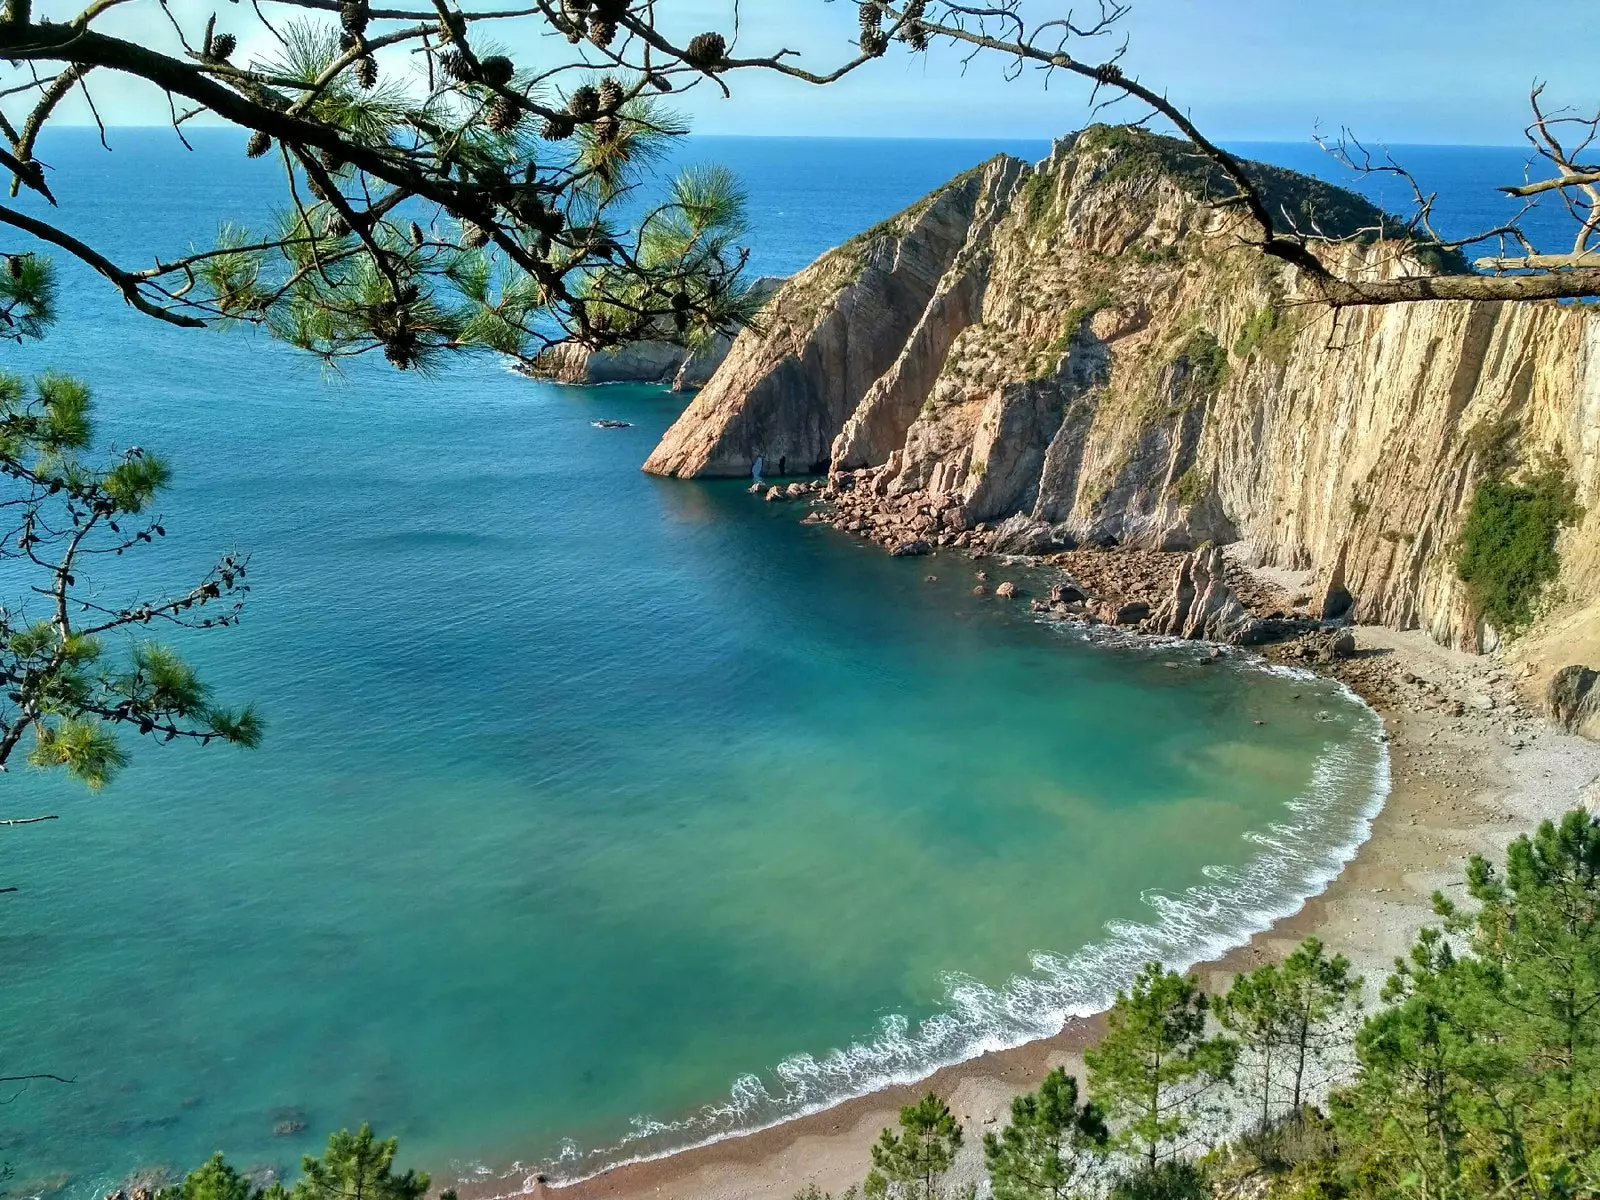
[599, 814]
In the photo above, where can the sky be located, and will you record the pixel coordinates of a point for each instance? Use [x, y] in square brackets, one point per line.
[1424, 71]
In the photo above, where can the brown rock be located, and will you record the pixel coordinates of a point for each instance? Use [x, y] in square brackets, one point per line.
[1006, 590]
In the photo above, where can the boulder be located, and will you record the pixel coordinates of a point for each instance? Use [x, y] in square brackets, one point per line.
[775, 494]
[1131, 613]
[1067, 592]
[1006, 590]
[1573, 700]
[1021, 534]
[912, 549]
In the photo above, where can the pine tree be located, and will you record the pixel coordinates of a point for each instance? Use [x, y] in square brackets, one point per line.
[217, 1180]
[912, 1164]
[1052, 1146]
[1318, 1001]
[1252, 1010]
[357, 1165]
[1287, 1020]
[1155, 1071]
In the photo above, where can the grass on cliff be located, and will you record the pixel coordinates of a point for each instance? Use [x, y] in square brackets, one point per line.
[1191, 487]
[1208, 361]
[1269, 332]
[1508, 543]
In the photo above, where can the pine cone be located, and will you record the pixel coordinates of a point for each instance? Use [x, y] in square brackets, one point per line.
[610, 95]
[367, 71]
[416, 234]
[871, 16]
[473, 237]
[557, 128]
[453, 65]
[331, 161]
[258, 144]
[874, 42]
[583, 102]
[496, 70]
[607, 129]
[706, 51]
[222, 47]
[503, 114]
[337, 226]
[353, 15]
[402, 348]
[347, 42]
[602, 33]
[661, 83]
[14, 265]
[914, 31]
[314, 187]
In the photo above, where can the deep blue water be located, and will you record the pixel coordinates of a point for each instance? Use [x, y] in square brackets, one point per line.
[589, 796]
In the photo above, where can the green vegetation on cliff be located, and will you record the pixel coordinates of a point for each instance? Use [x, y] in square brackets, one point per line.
[1508, 542]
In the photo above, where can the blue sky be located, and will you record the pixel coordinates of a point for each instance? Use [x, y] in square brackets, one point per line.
[1255, 70]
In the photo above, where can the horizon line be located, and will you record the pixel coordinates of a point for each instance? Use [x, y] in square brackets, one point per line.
[903, 137]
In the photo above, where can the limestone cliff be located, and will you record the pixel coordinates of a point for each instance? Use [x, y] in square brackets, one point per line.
[1088, 343]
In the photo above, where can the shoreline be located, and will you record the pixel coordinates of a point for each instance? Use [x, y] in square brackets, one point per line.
[1468, 773]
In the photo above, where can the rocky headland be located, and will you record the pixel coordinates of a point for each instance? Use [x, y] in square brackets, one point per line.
[1084, 354]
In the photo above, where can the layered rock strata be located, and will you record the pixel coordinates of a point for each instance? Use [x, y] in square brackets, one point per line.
[1086, 352]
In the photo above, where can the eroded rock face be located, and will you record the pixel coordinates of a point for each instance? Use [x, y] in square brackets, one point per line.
[1086, 345]
[832, 332]
[1573, 700]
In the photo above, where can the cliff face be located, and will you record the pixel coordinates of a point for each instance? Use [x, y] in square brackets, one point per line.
[830, 334]
[1088, 343]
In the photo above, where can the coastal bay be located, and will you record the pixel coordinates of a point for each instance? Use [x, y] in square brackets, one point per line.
[1460, 785]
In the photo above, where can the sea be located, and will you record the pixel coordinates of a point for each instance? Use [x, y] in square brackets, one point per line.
[597, 815]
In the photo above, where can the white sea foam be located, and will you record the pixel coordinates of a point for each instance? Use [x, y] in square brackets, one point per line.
[1296, 858]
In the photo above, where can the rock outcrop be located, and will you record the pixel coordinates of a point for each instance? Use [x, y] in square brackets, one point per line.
[1573, 700]
[663, 361]
[1084, 353]
[829, 335]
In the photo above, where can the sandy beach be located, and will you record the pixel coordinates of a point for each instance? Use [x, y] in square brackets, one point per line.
[1472, 768]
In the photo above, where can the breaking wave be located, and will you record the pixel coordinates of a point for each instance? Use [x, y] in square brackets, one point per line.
[1296, 858]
